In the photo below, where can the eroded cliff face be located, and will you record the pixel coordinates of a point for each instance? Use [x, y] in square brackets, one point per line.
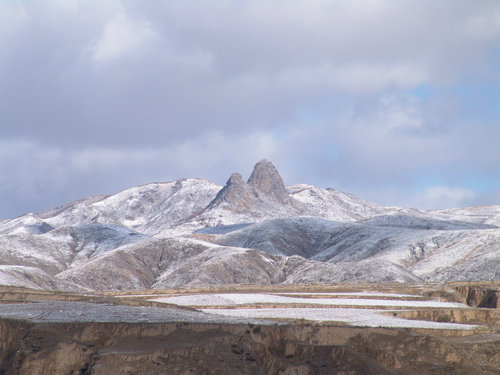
[480, 295]
[191, 348]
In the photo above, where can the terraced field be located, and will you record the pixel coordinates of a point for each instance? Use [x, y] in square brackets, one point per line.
[424, 306]
[320, 329]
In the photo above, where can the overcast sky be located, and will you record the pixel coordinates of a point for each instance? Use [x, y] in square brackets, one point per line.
[397, 102]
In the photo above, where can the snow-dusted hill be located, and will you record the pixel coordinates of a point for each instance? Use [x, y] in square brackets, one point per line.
[427, 249]
[148, 209]
[193, 232]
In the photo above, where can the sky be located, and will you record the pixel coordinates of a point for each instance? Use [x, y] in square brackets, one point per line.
[397, 102]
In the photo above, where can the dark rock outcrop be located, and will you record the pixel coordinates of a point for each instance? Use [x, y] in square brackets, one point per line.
[236, 193]
[265, 186]
[268, 183]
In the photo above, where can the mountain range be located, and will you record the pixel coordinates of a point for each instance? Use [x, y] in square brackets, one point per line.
[192, 232]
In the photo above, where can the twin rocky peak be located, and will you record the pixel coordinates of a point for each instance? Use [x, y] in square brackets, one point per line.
[265, 185]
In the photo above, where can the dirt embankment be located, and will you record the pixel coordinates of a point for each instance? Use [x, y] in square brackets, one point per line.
[483, 317]
[481, 296]
[182, 348]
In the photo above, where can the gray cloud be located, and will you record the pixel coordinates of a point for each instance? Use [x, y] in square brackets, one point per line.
[110, 94]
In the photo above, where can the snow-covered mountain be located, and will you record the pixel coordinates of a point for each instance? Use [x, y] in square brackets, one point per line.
[193, 232]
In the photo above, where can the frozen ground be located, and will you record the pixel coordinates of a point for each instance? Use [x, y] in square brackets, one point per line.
[233, 299]
[353, 294]
[69, 311]
[339, 309]
[355, 317]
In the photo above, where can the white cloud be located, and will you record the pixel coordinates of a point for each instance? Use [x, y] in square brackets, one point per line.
[13, 18]
[437, 197]
[29, 170]
[121, 37]
[398, 113]
[377, 77]
[37, 177]
[192, 156]
[321, 87]
[88, 159]
[484, 26]
[355, 77]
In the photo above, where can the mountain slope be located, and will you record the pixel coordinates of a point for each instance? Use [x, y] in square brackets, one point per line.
[428, 249]
[148, 209]
[174, 262]
[192, 232]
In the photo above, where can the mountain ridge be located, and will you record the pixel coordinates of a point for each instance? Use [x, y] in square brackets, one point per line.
[192, 232]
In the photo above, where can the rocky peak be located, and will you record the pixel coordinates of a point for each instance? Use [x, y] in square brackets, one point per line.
[267, 181]
[235, 180]
[236, 192]
[264, 186]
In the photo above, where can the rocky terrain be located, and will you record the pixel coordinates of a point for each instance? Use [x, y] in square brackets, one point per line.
[190, 348]
[54, 333]
[191, 232]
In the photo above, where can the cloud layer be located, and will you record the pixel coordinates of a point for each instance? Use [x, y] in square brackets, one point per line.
[394, 101]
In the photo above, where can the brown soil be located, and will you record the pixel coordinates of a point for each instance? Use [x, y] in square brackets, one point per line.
[120, 348]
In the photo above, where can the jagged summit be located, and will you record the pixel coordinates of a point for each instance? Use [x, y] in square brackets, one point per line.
[264, 186]
[266, 180]
[236, 192]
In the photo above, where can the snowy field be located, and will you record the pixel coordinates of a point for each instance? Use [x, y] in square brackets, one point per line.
[355, 317]
[351, 294]
[360, 312]
[75, 311]
[235, 299]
